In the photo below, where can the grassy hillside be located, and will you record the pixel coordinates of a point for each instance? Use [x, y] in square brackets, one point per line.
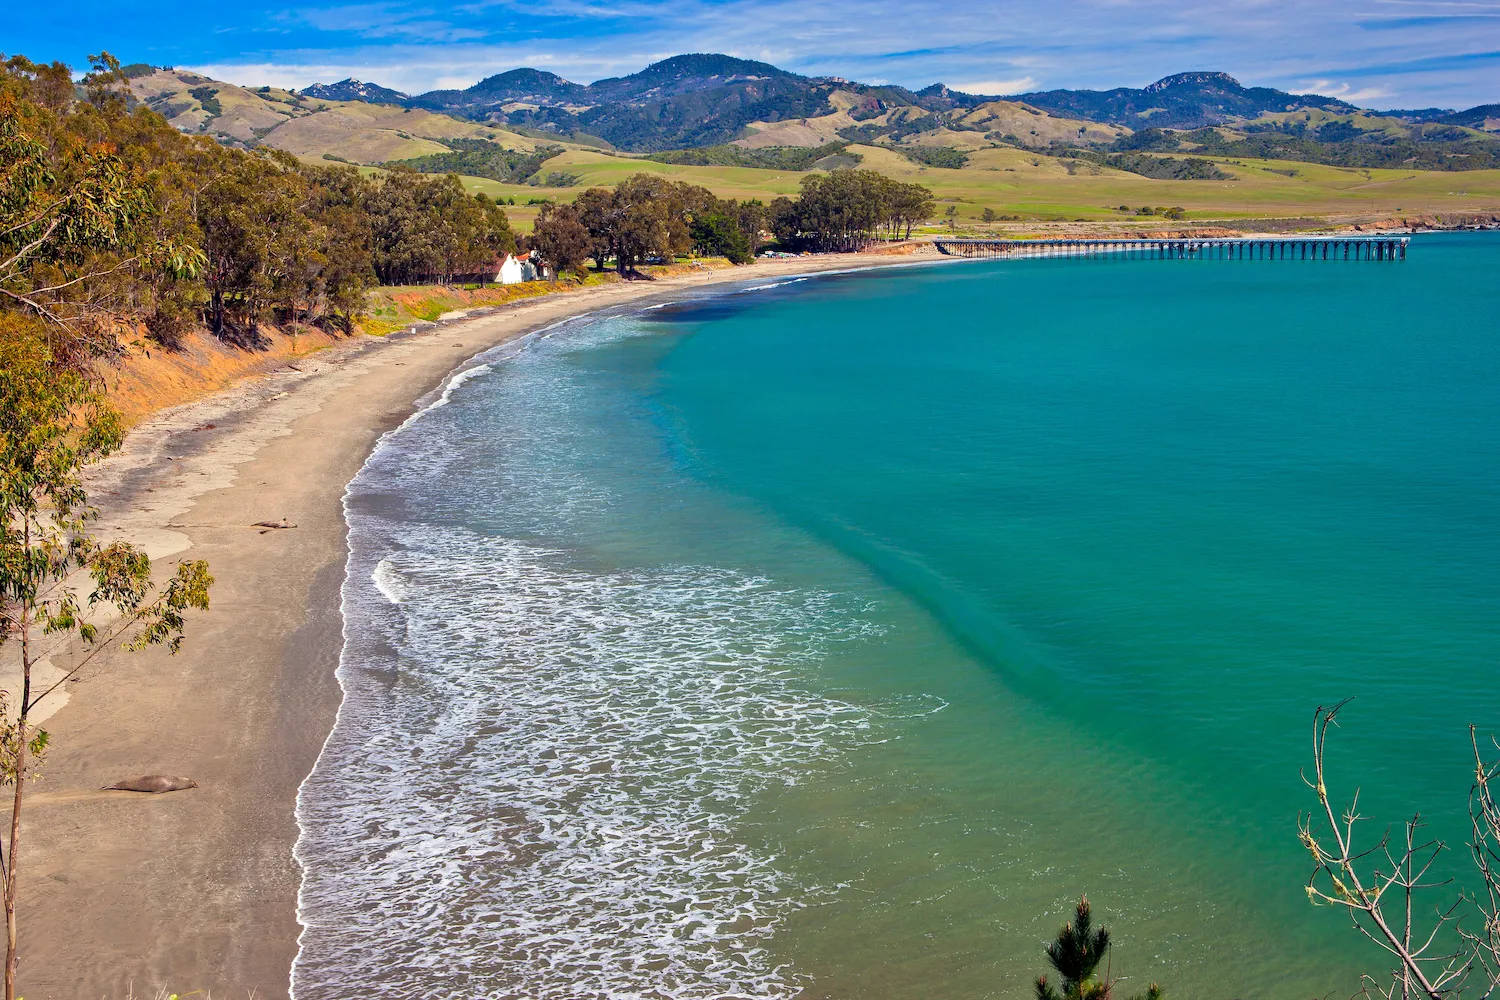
[1035, 186]
[266, 116]
[194, 103]
[1002, 144]
[374, 133]
[1028, 126]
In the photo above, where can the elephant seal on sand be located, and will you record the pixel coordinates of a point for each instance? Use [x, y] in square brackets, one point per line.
[152, 783]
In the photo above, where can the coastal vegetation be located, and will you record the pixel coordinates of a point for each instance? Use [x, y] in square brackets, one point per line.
[79, 232]
[54, 422]
[1075, 955]
[483, 158]
[764, 157]
[1222, 151]
[273, 238]
[562, 238]
[647, 218]
[260, 237]
[846, 209]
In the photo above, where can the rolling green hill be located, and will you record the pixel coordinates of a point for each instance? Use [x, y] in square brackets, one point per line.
[1021, 188]
[355, 131]
[1012, 161]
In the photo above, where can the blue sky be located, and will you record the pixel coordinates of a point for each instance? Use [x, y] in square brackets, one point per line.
[1377, 53]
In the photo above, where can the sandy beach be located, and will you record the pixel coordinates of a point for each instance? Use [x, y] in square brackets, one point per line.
[196, 891]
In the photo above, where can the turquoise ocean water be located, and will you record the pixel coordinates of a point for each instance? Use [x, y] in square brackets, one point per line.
[828, 638]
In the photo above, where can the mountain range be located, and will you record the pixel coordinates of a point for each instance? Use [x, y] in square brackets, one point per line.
[719, 110]
[705, 99]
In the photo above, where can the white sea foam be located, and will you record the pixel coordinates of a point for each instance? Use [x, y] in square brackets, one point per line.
[387, 580]
[538, 779]
[774, 284]
[458, 380]
[472, 368]
[535, 784]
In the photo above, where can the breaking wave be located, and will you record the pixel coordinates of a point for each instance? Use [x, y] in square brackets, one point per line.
[535, 783]
[540, 775]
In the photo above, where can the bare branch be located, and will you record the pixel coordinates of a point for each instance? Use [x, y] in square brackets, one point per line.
[1382, 900]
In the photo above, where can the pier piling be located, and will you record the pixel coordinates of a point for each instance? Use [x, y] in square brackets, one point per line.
[1383, 248]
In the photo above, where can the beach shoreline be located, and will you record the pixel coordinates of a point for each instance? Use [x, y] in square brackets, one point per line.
[197, 891]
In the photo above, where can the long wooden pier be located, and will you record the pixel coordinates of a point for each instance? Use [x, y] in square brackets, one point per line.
[1248, 248]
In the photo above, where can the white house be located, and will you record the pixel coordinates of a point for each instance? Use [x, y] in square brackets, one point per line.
[517, 268]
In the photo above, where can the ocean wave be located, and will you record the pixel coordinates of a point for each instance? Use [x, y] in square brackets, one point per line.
[774, 284]
[536, 782]
[388, 581]
[457, 380]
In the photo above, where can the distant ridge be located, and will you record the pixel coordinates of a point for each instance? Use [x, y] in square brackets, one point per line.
[1419, 115]
[1183, 100]
[354, 90]
[1485, 116]
[1198, 78]
[532, 86]
[699, 99]
[686, 74]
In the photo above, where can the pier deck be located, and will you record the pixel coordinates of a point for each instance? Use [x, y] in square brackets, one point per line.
[1248, 248]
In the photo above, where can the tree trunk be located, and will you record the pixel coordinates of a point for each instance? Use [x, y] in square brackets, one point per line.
[15, 808]
[10, 871]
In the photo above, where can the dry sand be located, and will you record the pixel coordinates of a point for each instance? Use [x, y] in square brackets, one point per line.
[196, 890]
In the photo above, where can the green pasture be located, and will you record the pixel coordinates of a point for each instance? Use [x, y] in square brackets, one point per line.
[1035, 186]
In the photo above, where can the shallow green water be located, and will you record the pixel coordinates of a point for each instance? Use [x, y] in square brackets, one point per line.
[1091, 538]
[1155, 515]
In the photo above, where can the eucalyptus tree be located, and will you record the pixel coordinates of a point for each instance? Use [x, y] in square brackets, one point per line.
[596, 211]
[427, 228]
[752, 217]
[842, 210]
[562, 239]
[910, 205]
[71, 214]
[255, 236]
[53, 424]
[719, 234]
[74, 215]
[650, 219]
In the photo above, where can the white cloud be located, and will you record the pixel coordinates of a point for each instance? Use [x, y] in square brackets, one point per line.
[1064, 43]
[1019, 85]
[417, 69]
[1343, 91]
[288, 76]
